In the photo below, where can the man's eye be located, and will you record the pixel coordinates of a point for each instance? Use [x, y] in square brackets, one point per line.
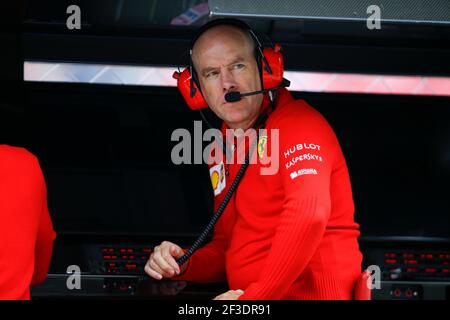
[212, 74]
[239, 66]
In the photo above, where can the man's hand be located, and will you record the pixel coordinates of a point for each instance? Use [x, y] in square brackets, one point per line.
[162, 263]
[230, 295]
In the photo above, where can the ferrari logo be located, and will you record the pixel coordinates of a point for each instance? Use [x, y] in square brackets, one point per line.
[262, 142]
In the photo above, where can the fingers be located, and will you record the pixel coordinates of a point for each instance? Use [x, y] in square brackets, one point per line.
[230, 295]
[151, 272]
[176, 251]
[162, 263]
[219, 297]
[168, 256]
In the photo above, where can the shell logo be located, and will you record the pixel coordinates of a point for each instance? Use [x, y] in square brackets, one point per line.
[215, 179]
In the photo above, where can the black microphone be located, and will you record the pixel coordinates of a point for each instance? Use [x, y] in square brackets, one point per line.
[237, 96]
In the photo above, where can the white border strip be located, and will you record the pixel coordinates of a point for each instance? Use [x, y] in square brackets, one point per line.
[300, 81]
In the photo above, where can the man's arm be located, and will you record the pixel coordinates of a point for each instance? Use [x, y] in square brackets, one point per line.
[305, 176]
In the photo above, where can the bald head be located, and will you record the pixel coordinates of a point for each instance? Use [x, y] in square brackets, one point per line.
[225, 34]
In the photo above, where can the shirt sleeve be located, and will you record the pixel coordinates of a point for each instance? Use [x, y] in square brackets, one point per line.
[44, 239]
[26, 235]
[307, 150]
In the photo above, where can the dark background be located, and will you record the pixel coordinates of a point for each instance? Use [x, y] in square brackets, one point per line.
[105, 150]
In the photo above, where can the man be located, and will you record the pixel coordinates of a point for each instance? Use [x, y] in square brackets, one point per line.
[26, 232]
[290, 235]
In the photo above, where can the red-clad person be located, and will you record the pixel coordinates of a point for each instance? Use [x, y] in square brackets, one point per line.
[288, 234]
[26, 231]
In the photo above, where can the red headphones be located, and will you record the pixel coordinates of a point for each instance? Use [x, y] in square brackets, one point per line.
[271, 60]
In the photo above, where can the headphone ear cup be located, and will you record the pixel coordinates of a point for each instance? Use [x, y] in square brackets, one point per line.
[275, 60]
[196, 101]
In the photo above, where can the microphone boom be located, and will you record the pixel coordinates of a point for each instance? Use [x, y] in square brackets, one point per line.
[236, 96]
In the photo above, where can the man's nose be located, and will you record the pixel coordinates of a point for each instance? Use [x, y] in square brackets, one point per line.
[228, 81]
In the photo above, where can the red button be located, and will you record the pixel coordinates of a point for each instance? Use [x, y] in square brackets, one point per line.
[409, 293]
[390, 261]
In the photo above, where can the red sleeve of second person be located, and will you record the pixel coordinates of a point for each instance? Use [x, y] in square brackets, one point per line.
[26, 231]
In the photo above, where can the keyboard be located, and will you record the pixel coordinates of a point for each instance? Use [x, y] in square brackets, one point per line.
[124, 260]
[417, 266]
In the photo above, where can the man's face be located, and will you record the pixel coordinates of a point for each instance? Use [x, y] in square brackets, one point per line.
[224, 60]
